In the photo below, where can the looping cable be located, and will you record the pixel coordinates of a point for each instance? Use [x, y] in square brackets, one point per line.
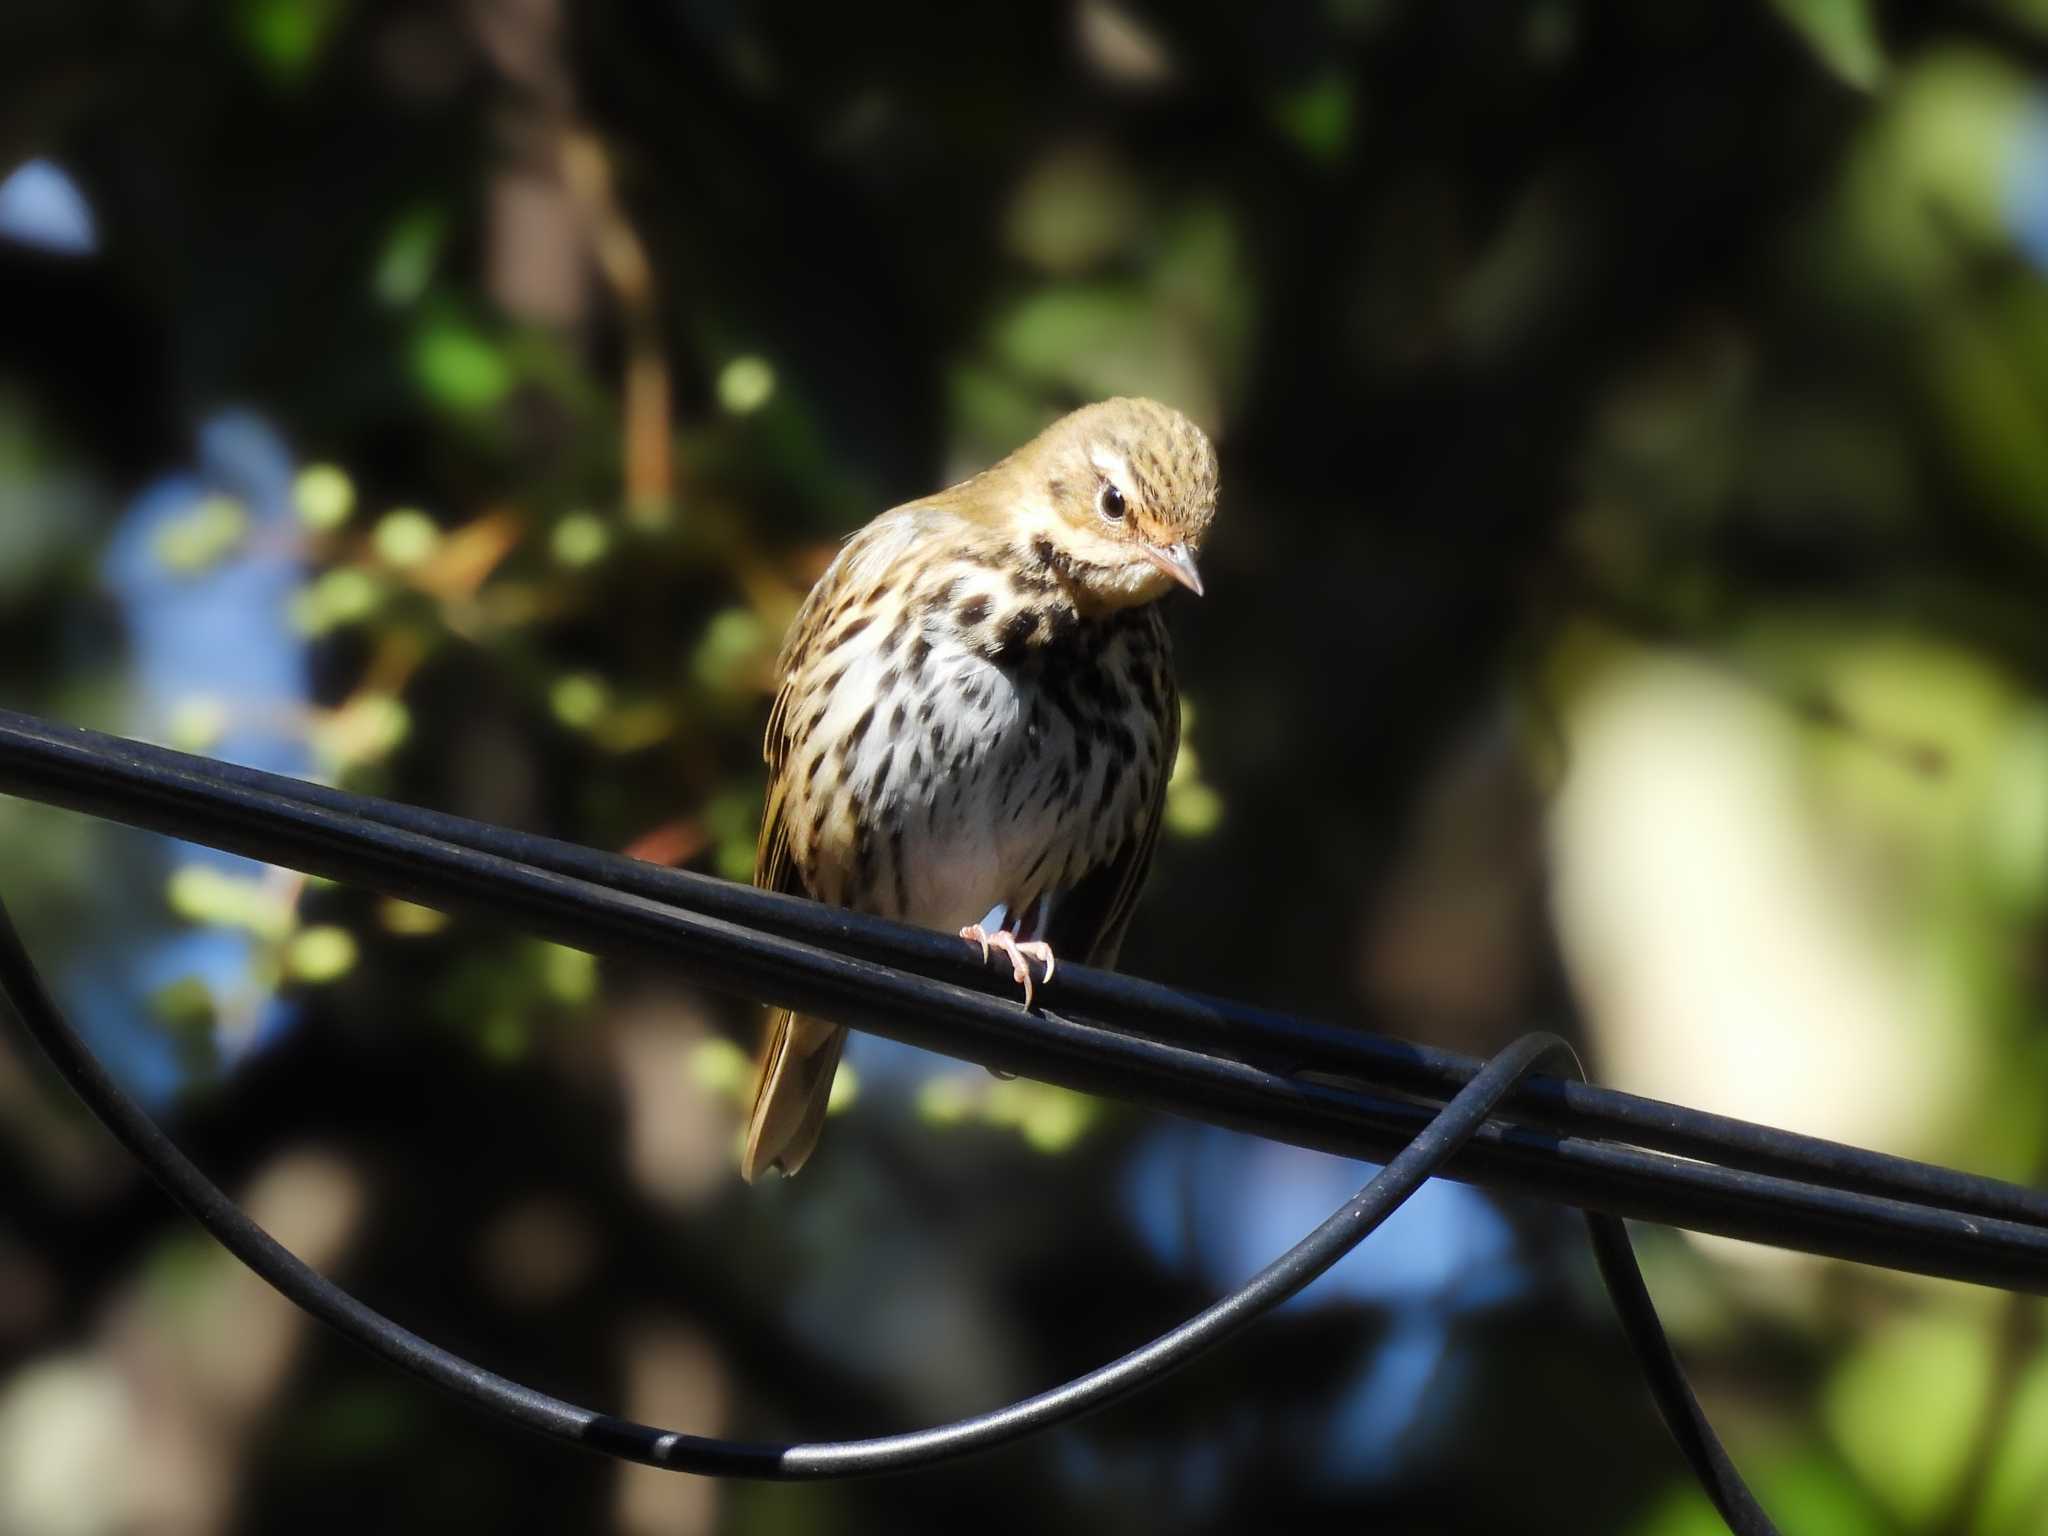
[1451, 1127]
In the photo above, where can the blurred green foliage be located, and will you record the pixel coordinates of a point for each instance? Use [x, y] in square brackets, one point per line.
[1626, 609]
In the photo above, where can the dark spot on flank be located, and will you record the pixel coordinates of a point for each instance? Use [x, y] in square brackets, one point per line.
[925, 708]
[1021, 626]
[920, 653]
[942, 597]
[853, 629]
[973, 611]
[897, 719]
[811, 768]
[860, 729]
[889, 680]
[899, 634]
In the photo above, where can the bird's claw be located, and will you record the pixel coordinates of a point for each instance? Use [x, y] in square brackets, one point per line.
[1006, 941]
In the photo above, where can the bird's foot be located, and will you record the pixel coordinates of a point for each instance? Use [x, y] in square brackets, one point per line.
[1006, 941]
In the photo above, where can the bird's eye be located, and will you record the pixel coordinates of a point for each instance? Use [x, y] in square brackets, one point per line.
[1110, 503]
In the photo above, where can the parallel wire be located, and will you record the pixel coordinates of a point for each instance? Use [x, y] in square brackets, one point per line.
[67, 765]
[1231, 1065]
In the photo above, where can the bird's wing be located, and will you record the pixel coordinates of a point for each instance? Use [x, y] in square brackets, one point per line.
[1088, 921]
[860, 564]
[799, 1055]
[775, 867]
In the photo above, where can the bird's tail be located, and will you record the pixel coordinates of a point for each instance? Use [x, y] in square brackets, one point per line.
[789, 1103]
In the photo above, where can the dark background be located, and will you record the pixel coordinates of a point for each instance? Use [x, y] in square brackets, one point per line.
[1624, 616]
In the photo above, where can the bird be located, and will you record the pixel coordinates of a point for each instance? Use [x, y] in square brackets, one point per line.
[976, 717]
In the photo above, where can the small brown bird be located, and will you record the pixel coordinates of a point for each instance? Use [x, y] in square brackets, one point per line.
[977, 717]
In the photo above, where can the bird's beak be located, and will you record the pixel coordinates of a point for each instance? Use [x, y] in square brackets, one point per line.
[1178, 562]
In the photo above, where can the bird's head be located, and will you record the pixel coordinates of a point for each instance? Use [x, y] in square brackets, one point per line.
[1117, 497]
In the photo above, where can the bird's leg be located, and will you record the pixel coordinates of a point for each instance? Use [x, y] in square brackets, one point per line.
[991, 933]
[1036, 916]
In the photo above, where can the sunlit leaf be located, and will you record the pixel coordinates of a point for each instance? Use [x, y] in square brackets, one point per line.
[579, 699]
[570, 975]
[406, 537]
[317, 956]
[406, 264]
[1076, 207]
[409, 919]
[733, 820]
[845, 1090]
[1842, 34]
[721, 1068]
[212, 530]
[1906, 1405]
[733, 640]
[460, 367]
[745, 385]
[324, 496]
[580, 539]
[1096, 340]
[1805, 1491]
[2015, 1498]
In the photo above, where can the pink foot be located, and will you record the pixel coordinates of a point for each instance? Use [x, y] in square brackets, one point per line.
[1006, 941]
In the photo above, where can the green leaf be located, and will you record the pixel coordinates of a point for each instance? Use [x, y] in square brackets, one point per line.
[406, 264]
[287, 37]
[1096, 340]
[459, 366]
[1318, 117]
[1905, 1409]
[1842, 33]
[1808, 1491]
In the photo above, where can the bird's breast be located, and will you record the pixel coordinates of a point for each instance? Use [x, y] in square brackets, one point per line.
[953, 766]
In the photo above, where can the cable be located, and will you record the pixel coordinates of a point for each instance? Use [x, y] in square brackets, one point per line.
[23, 988]
[1665, 1378]
[1823, 1208]
[117, 777]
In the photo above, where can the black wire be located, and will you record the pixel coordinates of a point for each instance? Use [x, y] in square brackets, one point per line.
[1673, 1395]
[1825, 1211]
[23, 988]
[126, 780]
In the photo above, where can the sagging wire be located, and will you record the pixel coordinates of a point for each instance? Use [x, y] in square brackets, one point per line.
[1450, 1128]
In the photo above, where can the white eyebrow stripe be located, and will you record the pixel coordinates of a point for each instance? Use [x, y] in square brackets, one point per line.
[1114, 465]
